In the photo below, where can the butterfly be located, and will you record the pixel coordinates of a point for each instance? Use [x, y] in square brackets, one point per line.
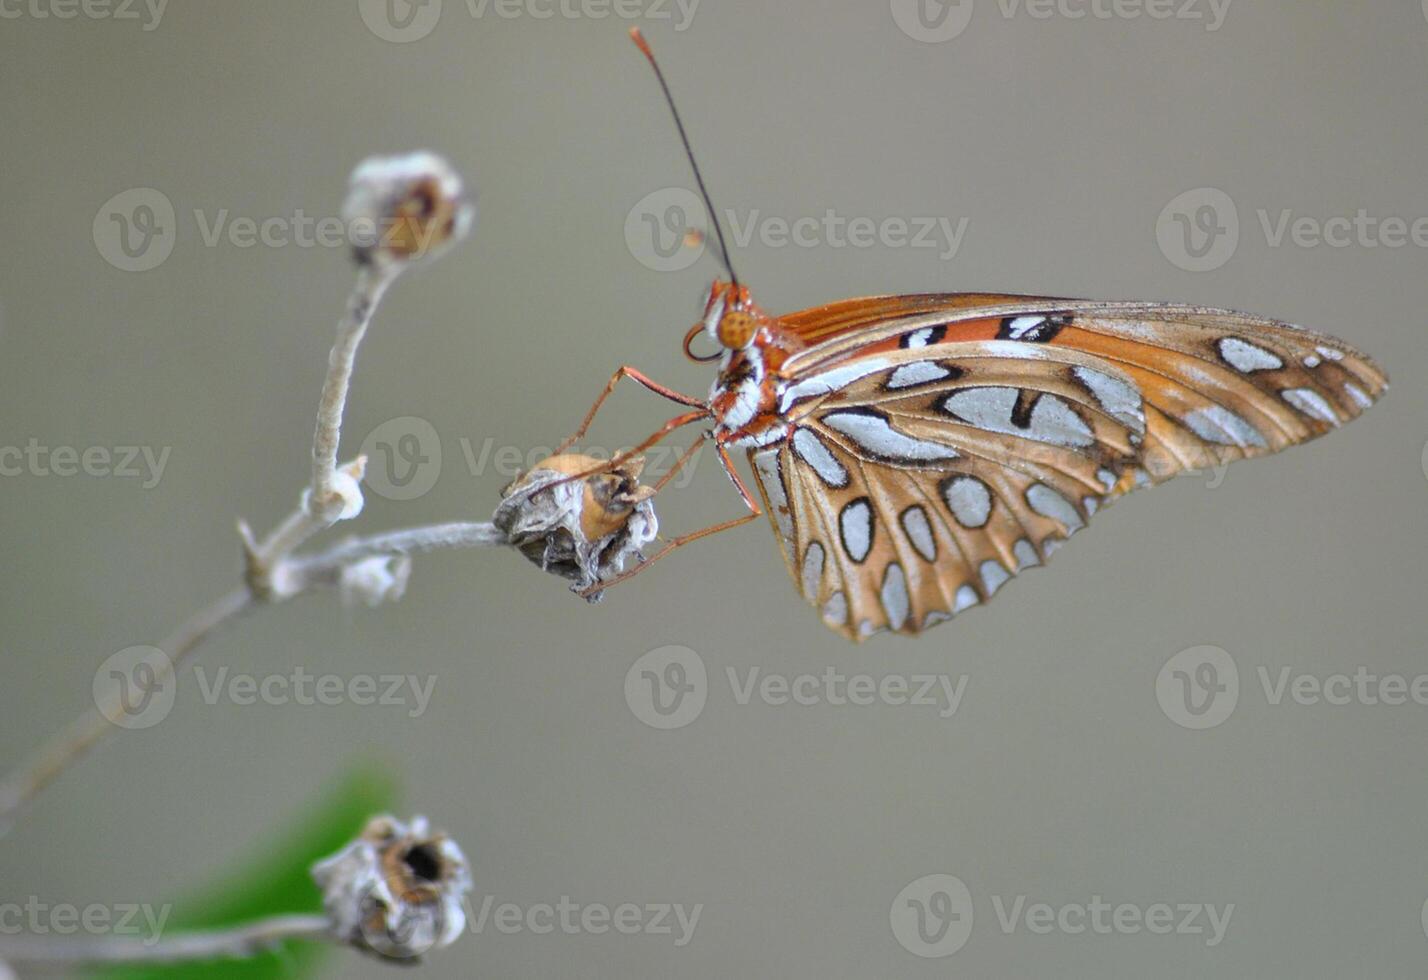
[915, 453]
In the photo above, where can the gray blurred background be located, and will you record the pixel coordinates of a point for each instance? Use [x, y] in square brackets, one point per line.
[802, 832]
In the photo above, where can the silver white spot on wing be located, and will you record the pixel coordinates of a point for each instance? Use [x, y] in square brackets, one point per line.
[920, 338]
[1359, 396]
[1023, 325]
[969, 500]
[987, 408]
[1217, 424]
[1107, 478]
[919, 532]
[812, 570]
[1054, 421]
[875, 435]
[966, 598]
[1248, 358]
[1048, 503]
[1312, 360]
[812, 451]
[1312, 404]
[1329, 354]
[896, 602]
[855, 524]
[830, 381]
[771, 475]
[835, 610]
[1119, 399]
[1025, 554]
[994, 576]
[917, 373]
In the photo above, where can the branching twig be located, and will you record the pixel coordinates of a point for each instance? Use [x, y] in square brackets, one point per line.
[417, 200]
[246, 940]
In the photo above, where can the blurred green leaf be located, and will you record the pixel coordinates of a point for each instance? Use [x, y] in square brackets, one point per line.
[277, 883]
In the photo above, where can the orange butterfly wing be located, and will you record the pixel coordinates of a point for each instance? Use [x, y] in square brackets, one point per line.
[938, 448]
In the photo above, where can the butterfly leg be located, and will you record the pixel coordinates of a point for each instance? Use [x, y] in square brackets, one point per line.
[639, 378]
[755, 512]
[619, 459]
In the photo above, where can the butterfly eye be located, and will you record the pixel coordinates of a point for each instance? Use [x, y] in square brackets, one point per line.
[736, 329]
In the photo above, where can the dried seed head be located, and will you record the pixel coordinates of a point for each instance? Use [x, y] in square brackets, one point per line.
[397, 891]
[402, 208]
[584, 530]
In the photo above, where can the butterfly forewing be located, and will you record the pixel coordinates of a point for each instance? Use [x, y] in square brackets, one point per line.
[934, 452]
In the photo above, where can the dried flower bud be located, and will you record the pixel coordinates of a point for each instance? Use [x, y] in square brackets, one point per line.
[397, 891]
[402, 208]
[583, 530]
[373, 581]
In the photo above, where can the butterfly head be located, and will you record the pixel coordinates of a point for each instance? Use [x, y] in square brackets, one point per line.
[731, 318]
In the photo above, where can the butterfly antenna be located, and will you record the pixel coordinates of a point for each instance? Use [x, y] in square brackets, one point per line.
[644, 46]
